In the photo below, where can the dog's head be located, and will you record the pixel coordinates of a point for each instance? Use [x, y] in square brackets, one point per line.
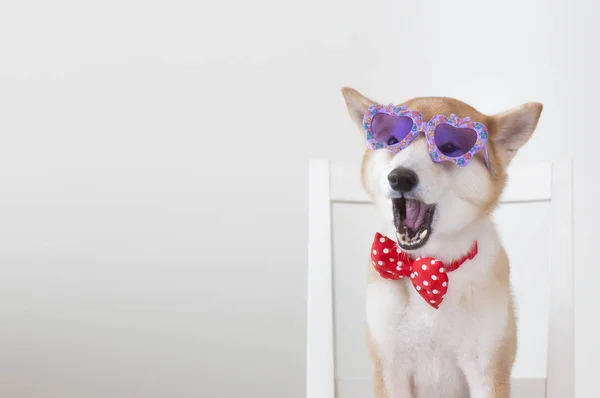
[428, 201]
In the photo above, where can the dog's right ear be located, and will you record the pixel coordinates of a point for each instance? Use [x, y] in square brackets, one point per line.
[357, 105]
[514, 128]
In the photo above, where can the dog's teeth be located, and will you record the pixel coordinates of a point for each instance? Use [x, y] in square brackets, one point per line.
[404, 239]
[400, 237]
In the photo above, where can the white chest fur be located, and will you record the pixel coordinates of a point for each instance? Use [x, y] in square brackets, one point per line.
[439, 350]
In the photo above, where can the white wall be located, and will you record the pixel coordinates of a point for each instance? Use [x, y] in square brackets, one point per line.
[581, 83]
[153, 171]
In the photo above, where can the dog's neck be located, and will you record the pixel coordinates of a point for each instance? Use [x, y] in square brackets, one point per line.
[451, 247]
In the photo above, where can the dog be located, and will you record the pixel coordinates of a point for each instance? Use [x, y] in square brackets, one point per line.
[464, 343]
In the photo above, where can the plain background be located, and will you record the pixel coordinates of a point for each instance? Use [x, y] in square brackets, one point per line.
[153, 171]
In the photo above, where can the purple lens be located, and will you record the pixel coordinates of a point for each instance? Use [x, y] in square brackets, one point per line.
[454, 142]
[390, 130]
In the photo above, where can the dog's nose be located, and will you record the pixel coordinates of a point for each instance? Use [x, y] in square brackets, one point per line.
[402, 179]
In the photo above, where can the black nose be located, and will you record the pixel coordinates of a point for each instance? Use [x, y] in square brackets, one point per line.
[402, 179]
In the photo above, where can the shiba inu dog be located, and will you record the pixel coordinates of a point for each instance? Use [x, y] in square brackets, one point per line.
[440, 314]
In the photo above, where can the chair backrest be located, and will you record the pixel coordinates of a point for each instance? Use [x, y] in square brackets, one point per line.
[548, 183]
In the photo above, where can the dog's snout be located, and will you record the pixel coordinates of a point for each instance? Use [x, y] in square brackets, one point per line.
[402, 179]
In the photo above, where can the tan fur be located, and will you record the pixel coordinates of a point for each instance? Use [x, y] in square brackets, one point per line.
[506, 353]
[379, 387]
[501, 147]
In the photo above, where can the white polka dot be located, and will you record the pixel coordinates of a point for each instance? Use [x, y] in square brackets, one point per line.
[418, 258]
[424, 267]
[399, 262]
[392, 260]
[435, 291]
[412, 275]
[382, 240]
[445, 284]
[373, 262]
[386, 251]
[380, 262]
[388, 271]
[401, 276]
[398, 251]
[442, 270]
[432, 301]
[374, 251]
[399, 267]
[416, 273]
[433, 278]
[418, 287]
[432, 262]
[426, 283]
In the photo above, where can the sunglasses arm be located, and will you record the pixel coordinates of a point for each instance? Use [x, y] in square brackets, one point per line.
[487, 158]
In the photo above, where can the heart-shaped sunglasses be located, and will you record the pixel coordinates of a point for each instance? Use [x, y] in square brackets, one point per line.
[450, 139]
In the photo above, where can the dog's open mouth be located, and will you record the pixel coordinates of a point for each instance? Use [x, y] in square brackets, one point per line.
[412, 219]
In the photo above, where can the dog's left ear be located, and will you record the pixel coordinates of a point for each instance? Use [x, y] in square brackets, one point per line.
[513, 129]
[357, 105]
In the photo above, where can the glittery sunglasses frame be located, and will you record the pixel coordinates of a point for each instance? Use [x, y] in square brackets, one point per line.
[428, 128]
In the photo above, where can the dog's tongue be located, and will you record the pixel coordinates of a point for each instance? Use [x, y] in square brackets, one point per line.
[415, 213]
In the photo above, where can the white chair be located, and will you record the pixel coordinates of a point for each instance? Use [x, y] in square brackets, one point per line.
[542, 183]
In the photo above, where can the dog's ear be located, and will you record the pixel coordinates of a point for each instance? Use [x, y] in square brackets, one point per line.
[513, 129]
[357, 105]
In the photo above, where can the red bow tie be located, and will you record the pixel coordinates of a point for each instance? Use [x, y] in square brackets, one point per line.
[427, 274]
